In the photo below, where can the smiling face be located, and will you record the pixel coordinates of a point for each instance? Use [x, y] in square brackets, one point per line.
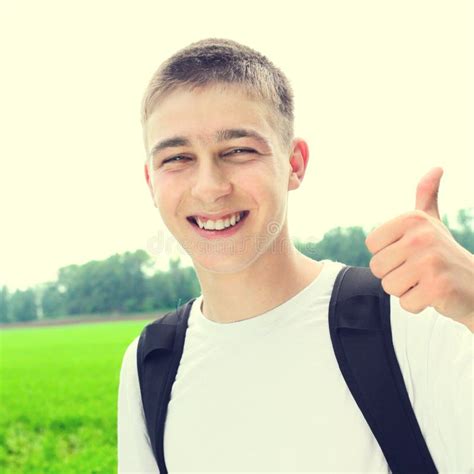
[213, 152]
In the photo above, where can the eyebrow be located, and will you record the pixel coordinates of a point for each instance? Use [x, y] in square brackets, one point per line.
[219, 136]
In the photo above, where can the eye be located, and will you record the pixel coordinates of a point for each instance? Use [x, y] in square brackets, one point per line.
[179, 158]
[243, 150]
[175, 158]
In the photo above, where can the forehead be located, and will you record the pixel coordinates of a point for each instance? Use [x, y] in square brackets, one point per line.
[200, 113]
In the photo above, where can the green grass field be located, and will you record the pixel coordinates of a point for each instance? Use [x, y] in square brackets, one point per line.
[58, 392]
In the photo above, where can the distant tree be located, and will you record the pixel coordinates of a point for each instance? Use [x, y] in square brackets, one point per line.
[23, 305]
[345, 245]
[464, 233]
[166, 290]
[4, 305]
[53, 301]
[133, 280]
[69, 282]
[160, 293]
[116, 284]
[183, 280]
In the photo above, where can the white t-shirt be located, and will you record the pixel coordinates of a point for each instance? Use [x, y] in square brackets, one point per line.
[266, 394]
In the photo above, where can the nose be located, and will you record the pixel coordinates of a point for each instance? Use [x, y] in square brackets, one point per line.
[210, 183]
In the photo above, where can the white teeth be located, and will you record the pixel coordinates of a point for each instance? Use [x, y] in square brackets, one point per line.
[219, 224]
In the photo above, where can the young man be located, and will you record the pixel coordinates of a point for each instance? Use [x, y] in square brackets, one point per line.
[258, 388]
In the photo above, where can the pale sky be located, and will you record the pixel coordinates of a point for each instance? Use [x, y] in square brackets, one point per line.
[381, 96]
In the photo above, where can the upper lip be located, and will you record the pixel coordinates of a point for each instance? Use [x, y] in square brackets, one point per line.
[217, 216]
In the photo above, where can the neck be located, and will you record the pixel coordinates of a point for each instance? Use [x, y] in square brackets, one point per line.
[267, 283]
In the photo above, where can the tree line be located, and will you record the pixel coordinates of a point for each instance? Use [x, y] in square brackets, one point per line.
[123, 283]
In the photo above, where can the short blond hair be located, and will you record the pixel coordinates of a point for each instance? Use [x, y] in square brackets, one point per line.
[224, 61]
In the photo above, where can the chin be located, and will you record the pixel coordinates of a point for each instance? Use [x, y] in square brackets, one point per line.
[221, 264]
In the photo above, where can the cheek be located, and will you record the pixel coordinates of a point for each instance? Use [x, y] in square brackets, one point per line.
[167, 195]
[263, 187]
[167, 185]
[271, 177]
[254, 181]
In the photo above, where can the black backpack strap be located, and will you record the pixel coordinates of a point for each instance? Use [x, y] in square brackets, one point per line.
[359, 325]
[159, 352]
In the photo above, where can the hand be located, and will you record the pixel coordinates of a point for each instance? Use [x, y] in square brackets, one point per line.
[418, 260]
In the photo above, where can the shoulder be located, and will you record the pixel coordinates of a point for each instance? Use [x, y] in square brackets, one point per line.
[429, 341]
[428, 331]
[129, 358]
[435, 354]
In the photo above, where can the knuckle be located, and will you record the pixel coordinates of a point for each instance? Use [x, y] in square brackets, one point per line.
[415, 218]
[432, 259]
[405, 304]
[385, 285]
[397, 292]
[410, 306]
[445, 287]
[390, 288]
[433, 262]
[374, 266]
[421, 238]
[369, 242]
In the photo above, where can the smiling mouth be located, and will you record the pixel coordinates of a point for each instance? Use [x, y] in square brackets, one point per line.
[193, 221]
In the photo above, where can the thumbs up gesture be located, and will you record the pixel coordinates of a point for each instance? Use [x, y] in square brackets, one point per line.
[418, 260]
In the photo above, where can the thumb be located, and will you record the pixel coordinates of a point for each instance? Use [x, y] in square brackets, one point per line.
[427, 192]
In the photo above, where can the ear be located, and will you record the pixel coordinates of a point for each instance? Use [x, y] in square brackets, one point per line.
[149, 183]
[298, 163]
